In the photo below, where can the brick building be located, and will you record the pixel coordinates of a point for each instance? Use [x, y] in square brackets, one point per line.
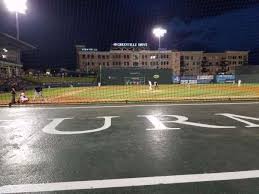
[178, 62]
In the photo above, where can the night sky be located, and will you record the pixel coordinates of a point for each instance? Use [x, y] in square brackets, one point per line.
[55, 26]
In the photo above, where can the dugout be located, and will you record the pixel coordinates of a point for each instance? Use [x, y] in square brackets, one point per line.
[135, 76]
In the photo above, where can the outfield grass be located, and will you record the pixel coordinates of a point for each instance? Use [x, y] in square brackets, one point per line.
[140, 93]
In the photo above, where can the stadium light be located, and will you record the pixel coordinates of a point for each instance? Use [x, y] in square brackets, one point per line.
[159, 33]
[17, 6]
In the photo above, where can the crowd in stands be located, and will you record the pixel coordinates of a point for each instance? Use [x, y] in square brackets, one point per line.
[6, 83]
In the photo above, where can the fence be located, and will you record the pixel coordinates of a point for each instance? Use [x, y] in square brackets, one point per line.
[137, 89]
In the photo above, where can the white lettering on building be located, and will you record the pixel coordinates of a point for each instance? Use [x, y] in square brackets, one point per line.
[130, 44]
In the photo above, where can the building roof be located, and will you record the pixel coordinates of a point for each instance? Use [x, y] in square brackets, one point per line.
[10, 42]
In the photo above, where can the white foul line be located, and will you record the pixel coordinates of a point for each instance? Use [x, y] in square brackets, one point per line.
[129, 182]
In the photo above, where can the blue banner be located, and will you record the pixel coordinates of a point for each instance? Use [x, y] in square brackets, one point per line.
[225, 78]
[176, 79]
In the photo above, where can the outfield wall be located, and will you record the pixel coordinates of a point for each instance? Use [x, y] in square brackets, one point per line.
[130, 76]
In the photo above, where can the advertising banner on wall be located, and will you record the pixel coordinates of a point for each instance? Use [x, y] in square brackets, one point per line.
[205, 79]
[225, 78]
[189, 80]
[176, 79]
[211, 77]
[184, 81]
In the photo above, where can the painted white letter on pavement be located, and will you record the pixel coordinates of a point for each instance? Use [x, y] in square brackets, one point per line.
[51, 127]
[159, 125]
[4, 126]
[241, 118]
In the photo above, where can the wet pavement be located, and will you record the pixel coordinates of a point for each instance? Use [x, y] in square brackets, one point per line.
[83, 143]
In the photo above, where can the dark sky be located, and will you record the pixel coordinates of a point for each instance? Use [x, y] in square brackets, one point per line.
[55, 26]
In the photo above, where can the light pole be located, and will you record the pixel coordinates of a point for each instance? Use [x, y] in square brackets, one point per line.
[159, 33]
[17, 26]
[17, 6]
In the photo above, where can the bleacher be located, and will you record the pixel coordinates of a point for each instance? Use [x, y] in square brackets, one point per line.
[18, 82]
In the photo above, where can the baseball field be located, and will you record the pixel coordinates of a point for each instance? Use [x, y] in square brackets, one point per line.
[176, 92]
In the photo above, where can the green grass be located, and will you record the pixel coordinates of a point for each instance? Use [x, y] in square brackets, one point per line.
[45, 79]
[135, 93]
[166, 91]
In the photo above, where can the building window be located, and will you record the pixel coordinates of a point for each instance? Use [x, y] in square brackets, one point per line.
[240, 57]
[92, 56]
[88, 56]
[135, 64]
[103, 57]
[108, 64]
[83, 56]
[240, 62]
[99, 56]
[103, 63]
[234, 62]
[107, 56]
[92, 64]
[186, 57]
[234, 57]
